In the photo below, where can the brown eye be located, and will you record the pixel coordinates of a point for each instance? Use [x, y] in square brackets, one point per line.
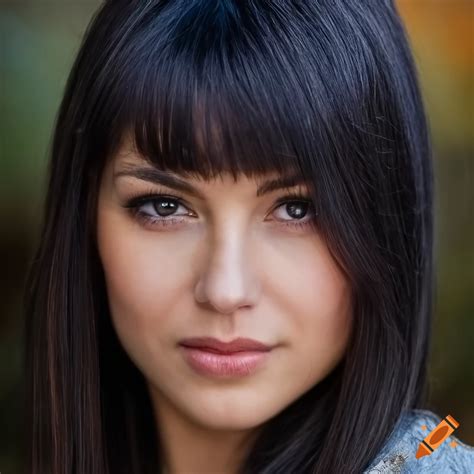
[296, 209]
[153, 209]
[295, 212]
[165, 206]
[161, 210]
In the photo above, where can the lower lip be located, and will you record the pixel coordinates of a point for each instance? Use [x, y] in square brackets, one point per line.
[237, 364]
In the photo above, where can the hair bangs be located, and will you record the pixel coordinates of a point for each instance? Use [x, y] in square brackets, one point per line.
[193, 125]
[206, 103]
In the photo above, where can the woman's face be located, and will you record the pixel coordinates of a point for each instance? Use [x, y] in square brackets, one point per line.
[230, 266]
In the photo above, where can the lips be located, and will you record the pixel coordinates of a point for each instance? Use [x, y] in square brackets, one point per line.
[237, 345]
[218, 365]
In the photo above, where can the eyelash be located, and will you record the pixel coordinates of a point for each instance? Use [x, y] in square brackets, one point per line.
[134, 203]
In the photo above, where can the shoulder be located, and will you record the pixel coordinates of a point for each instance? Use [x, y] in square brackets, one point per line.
[398, 453]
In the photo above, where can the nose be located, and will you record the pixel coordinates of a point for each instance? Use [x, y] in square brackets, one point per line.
[228, 280]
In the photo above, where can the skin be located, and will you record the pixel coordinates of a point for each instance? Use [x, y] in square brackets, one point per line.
[232, 270]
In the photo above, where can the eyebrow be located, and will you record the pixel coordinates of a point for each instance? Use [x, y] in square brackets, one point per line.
[156, 176]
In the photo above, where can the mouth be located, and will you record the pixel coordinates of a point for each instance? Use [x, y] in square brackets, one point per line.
[208, 362]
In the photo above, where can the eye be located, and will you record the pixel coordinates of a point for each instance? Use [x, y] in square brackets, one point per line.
[299, 208]
[163, 206]
[295, 209]
[153, 210]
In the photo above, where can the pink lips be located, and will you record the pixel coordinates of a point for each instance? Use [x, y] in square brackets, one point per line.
[208, 356]
[240, 344]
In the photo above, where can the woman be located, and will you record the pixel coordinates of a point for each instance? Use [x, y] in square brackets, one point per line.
[224, 171]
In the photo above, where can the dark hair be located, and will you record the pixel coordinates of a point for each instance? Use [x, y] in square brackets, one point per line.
[327, 88]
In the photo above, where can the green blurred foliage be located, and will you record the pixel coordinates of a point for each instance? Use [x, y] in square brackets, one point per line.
[38, 42]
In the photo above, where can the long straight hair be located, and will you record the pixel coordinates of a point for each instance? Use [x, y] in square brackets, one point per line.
[326, 88]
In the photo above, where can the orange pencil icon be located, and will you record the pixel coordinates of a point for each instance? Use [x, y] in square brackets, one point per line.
[436, 437]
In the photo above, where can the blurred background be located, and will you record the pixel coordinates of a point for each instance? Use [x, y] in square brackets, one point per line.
[38, 43]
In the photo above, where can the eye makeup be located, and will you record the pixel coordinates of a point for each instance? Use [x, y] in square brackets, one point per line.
[136, 203]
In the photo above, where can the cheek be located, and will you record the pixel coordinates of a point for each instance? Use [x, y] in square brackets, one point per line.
[144, 279]
[312, 289]
[327, 314]
[318, 298]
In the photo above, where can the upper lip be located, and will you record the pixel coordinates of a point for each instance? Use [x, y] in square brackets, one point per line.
[237, 345]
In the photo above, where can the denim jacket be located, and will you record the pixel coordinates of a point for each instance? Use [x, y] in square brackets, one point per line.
[398, 453]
